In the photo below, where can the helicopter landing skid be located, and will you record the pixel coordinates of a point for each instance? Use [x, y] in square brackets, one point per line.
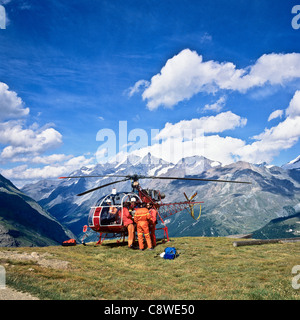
[100, 241]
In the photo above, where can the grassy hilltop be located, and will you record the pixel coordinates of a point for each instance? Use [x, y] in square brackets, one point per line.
[207, 268]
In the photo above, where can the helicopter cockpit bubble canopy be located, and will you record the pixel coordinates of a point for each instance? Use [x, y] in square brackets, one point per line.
[116, 199]
[99, 213]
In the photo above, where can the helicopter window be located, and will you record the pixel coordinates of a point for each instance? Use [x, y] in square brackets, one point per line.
[155, 195]
[127, 198]
[110, 216]
[91, 215]
[113, 199]
[107, 204]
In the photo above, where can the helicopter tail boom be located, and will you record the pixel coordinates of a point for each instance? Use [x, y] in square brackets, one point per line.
[168, 209]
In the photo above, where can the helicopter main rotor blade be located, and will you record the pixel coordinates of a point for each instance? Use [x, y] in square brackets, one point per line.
[97, 176]
[104, 185]
[136, 177]
[194, 179]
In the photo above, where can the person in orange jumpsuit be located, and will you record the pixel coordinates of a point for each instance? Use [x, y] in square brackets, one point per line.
[153, 223]
[128, 223]
[142, 218]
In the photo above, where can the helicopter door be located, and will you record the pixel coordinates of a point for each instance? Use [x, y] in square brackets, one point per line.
[110, 216]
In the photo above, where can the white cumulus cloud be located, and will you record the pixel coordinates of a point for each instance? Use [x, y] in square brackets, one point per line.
[19, 140]
[188, 138]
[212, 124]
[11, 106]
[293, 109]
[187, 74]
[23, 173]
[275, 114]
[217, 106]
[22, 141]
[137, 87]
[271, 141]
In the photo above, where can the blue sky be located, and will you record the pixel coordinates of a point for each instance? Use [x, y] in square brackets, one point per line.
[71, 68]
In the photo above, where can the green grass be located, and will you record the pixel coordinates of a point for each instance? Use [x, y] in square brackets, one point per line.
[207, 268]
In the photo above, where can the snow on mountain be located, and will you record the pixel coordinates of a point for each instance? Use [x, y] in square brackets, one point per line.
[294, 164]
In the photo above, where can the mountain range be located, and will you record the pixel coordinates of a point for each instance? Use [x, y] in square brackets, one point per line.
[284, 227]
[228, 208]
[23, 222]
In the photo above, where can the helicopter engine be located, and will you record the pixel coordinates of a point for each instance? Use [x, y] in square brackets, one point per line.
[154, 194]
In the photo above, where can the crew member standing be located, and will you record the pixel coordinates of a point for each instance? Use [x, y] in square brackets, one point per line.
[142, 218]
[132, 206]
[128, 223]
[152, 224]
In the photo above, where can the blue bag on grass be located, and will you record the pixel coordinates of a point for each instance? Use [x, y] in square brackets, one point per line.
[170, 253]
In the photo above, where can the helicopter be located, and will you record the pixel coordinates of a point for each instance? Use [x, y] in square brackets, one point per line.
[103, 222]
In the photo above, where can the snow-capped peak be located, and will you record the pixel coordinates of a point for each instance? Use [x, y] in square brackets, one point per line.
[293, 164]
[295, 160]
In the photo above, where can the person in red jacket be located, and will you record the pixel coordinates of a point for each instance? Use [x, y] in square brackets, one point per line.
[128, 223]
[153, 223]
[142, 218]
